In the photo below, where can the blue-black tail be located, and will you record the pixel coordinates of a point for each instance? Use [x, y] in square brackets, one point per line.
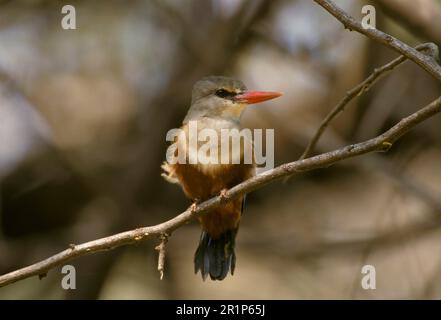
[216, 257]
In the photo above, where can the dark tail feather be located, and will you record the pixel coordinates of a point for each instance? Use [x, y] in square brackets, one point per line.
[216, 256]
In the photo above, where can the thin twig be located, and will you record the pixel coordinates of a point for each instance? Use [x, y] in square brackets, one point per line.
[381, 143]
[427, 62]
[358, 90]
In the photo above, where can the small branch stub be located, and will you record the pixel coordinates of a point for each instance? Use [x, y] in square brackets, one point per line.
[161, 254]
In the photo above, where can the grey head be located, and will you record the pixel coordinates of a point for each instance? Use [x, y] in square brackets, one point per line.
[216, 97]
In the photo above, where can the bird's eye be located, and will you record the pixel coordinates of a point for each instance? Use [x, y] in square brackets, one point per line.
[224, 93]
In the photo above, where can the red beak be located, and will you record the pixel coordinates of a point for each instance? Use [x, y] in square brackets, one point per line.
[251, 97]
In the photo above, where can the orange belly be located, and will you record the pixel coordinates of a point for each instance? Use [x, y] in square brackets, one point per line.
[203, 183]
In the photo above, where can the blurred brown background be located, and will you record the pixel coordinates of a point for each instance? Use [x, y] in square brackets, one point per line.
[83, 118]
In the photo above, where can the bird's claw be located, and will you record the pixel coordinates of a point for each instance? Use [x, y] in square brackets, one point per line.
[223, 195]
[194, 205]
[169, 173]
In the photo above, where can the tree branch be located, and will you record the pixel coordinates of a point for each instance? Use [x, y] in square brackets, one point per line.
[427, 62]
[380, 143]
[359, 89]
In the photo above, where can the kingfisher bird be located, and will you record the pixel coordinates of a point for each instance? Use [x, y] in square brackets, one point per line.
[217, 104]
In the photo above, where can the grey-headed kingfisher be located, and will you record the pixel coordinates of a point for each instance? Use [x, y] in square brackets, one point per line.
[217, 103]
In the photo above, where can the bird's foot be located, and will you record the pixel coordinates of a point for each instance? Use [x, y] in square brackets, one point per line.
[169, 173]
[223, 195]
[194, 205]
